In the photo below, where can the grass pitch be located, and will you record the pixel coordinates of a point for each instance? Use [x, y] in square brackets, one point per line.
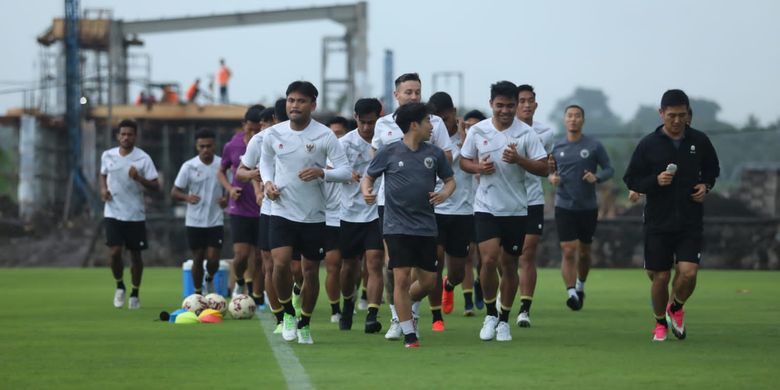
[58, 329]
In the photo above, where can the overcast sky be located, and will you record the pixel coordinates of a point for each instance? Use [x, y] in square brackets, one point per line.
[633, 50]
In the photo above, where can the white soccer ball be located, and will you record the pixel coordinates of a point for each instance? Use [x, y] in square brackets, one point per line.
[194, 303]
[216, 302]
[242, 307]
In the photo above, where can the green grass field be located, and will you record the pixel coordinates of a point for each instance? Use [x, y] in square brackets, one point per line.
[58, 329]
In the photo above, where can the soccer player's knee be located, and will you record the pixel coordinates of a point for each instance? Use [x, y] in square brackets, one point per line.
[688, 274]
[569, 250]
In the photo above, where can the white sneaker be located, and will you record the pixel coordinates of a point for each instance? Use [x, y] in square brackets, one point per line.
[488, 331]
[208, 288]
[362, 304]
[238, 290]
[502, 332]
[289, 328]
[334, 318]
[523, 320]
[394, 333]
[134, 303]
[304, 336]
[415, 321]
[119, 298]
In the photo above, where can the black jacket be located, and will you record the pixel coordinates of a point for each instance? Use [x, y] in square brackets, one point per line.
[670, 208]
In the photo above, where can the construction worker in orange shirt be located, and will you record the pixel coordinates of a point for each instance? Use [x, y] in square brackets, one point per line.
[223, 76]
[193, 91]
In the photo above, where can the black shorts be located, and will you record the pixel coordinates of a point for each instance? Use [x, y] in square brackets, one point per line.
[131, 234]
[332, 238]
[262, 233]
[509, 230]
[306, 238]
[455, 233]
[535, 223]
[412, 251]
[576, 224]
[205, 237]
[663, 250]
[244, 229]
[356, 238]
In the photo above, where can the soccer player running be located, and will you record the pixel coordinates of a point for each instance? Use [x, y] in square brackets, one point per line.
[197, 185]
[125, 172]
[501, 150]
[242, 205]
[526, 107]
[292, 164]
[675, 167]
[454, 217]
[472, 291]
[408, 89]
[332, 190]
[410, 169]
[575, 159]
[361, 233]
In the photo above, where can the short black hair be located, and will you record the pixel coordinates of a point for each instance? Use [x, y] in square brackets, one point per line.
[305, 88]
[674, 97]
[525, 87]
[128, 123]
[367, 106]
[267, 115]
[504, 88]
[407, 77]
[204, 133]
[280, 110]
[476, 114]
[577, 106]
[339, 120]
[440, 102]
[253, 113]
[408, 113]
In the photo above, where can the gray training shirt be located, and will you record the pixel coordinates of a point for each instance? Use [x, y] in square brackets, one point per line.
[409, 178]
[572, 160]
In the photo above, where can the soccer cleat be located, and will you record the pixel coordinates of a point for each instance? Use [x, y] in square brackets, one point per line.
[468, 312]
[290, 328]
[447, 299]
[677, 321]
[345, 322]
[413, 344]
[362, 304]
[373, 326]
[119, 298]
[209, 288]
[574, 303]
[304, 335]
[581, 296]
[659, 334]
[438, 326]
[279, 328]
[479, 300]
[134, 303]
[237, 289]
[415, 321]
[334, 318]
[488, 331]
[523, 320]
[502, 332]
[261, 308]
[296, 301]
[394, 333]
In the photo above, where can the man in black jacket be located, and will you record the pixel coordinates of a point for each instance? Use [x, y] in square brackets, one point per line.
[675, 166]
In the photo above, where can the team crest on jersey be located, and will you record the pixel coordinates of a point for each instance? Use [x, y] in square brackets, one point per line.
[389, 133]
[400, 164]
[584, 153]
[562, 153]
[485, 142]
[428, 162]
[309, 148]
[281, 146]
[693, 149]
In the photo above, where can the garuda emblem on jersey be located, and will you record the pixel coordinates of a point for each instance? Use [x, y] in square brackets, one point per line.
[309, 148]
[584, 153]
[428, 162]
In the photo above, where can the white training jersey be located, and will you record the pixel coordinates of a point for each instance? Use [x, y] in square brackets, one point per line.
[251, 159]
[534, 183]
[353, 206]
[285, 153]
[387, 132]
[332, 191]
[461, 202]
[502, 193]
[127, 195]
[200, 179]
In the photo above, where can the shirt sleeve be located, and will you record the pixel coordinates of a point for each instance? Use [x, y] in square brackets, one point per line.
[267, 160]
[226, 157]
[376, 142]
[103, 167]
[251, 157]
[149, 171]
[533, 147]
[637, 176]
[442, 137]
[378, 164]
[469, 148]
[182, 178]
[443, 168]
[602, 159]
[341, 172]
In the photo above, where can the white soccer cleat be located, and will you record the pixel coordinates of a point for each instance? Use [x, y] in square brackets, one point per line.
[290, 328]
[238, 290]
[304, 335]
[394, 333]
[502, 332]
[134, 303]
[362, 304]
[523, 320]
[334, 318]
[208, 288]
[119, 298]
[488, 331]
